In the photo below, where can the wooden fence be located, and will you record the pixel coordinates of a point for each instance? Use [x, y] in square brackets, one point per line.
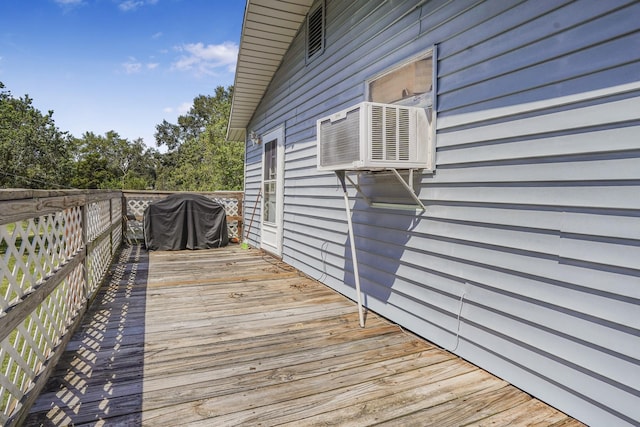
[55, 249]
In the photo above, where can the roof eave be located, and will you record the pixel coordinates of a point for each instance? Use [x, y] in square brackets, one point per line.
[271, 23]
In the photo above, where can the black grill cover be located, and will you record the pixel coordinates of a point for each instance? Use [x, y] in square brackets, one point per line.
[185, 221]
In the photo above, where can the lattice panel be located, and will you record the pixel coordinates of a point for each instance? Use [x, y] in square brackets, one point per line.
[65, 302]
[72, 230]
[33, 249]
[116, 238]
[25, 351]
[233, 231]
[136, 207]
[116, 210]
[230, 204]
[116, 218]
[98, 263]
[98, 218]
[135, 230]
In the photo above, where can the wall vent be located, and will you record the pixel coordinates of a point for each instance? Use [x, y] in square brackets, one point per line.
[315, 31]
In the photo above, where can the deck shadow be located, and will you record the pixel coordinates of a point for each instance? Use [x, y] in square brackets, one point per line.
[100, 374]
[236, 337]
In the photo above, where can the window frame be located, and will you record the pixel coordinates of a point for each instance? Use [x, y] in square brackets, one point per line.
[269, 180]
[428, 100]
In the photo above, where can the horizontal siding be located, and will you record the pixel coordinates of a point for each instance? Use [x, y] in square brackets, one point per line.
[617, 112]
[252, 209]
[609, 141]
[521, 48]
[525, 261]
[586, 39]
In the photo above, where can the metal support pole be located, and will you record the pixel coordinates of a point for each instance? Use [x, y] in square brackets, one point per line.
[341, 177]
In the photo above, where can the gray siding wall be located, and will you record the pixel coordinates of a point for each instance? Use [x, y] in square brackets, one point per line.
[527, 259]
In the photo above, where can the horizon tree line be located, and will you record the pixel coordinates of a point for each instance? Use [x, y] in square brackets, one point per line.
[35, 153]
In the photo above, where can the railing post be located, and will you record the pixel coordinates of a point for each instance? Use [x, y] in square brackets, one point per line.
[123, 218]
[85, 244]
[111, 251]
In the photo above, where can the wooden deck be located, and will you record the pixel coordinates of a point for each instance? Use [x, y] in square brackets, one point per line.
[234, 337]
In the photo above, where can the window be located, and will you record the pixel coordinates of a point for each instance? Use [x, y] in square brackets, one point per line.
[315, 31]
[409, 84]
[269, 180]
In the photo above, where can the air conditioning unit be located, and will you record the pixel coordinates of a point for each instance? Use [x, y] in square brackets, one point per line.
[374, 136]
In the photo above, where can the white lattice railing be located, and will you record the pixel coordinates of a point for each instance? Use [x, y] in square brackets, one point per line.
[137, 202]
[55, 248]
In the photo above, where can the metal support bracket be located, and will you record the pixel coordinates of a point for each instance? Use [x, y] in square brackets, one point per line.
[407, 186]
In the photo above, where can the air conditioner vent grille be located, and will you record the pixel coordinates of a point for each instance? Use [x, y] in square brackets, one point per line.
[403, 135]
[391, 133]
[390, 136]
[341, 141]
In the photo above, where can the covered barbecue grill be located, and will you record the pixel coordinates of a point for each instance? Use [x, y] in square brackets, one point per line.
[185, 221]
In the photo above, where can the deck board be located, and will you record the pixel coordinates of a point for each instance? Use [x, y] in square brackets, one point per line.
[236, 337]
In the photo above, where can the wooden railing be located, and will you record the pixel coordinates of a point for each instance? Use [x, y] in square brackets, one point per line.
[137, 201]
[55, 249]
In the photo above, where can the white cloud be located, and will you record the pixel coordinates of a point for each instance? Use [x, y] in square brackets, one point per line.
[184, 107]
[203, 60]
[68, 5]
[131, 5]
[128, 5]
[156, 35]
[180, 109]
[132, 66]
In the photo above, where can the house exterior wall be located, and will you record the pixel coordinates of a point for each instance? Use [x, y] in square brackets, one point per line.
[526, 261]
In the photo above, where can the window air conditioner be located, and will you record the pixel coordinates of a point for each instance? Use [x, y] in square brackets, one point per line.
[370, 136]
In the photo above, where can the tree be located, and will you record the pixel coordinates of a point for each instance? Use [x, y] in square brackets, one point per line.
[34, 153]
[227, 160]
[198, 157]
[110, 161]
[205, 111]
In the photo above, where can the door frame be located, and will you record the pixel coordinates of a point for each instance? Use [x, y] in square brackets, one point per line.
[274, 230]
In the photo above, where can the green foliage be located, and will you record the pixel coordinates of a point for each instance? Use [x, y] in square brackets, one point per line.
[199, 158]
[33, 152]
[110, 161]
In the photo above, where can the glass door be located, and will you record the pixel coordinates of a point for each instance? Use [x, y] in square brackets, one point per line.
[272, 191]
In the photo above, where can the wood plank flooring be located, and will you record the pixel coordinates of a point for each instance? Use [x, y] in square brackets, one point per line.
[230, 337]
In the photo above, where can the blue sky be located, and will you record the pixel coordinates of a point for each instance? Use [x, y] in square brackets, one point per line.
[122, 65]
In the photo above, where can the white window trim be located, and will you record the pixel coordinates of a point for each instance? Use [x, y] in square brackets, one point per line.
[276, 227]
[429, 103]
[425, 101]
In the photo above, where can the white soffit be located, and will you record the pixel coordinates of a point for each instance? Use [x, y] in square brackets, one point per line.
[267, 31]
